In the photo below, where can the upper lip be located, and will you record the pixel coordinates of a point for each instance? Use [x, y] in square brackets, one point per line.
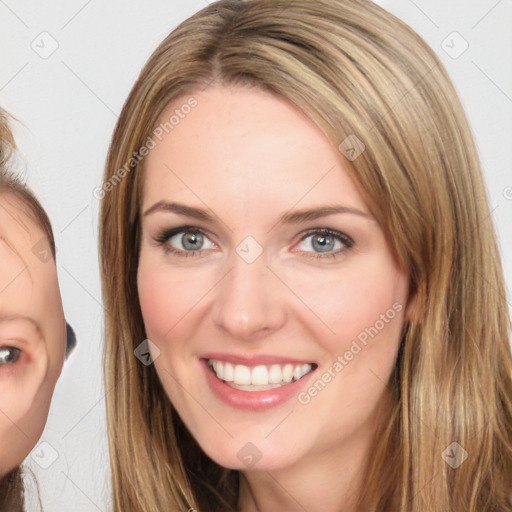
[254, 360]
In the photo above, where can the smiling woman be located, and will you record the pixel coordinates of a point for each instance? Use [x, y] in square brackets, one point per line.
[304, 291]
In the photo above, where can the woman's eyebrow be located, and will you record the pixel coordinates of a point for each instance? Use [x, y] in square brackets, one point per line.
[290, 217]
[180, 209]
[306, 214]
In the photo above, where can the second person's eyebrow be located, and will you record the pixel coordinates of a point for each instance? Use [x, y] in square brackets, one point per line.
[6, 317]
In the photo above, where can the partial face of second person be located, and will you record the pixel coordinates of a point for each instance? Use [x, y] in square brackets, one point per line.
[32, 331]
[248, 157]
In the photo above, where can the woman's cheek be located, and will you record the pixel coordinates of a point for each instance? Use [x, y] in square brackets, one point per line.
[353, 309]
[167, 295]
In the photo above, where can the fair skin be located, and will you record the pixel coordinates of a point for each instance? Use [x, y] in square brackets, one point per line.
[32, 332]
[248, 157]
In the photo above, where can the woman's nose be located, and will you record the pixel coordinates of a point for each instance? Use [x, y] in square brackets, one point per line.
[249, 301]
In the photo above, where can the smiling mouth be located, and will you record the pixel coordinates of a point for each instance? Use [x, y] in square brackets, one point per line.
[260, 377]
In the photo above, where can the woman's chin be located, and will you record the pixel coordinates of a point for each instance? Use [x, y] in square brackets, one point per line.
[248, 456]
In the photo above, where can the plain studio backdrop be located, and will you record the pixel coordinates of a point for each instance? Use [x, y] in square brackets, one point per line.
[65, 71]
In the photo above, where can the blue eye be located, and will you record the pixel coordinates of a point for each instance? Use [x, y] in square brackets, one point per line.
[9, 355]
[192, 240]
[323, 241]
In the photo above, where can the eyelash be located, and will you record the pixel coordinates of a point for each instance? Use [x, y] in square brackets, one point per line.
[163, 237]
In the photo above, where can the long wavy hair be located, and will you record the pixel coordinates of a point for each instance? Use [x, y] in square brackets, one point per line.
[355, 70]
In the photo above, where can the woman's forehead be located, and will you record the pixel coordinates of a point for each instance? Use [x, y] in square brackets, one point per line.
[261, 146]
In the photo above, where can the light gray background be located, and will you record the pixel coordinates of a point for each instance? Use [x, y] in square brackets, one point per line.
[68, 103]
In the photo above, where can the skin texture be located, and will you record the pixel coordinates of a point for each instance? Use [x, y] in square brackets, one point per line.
[249, 157]
[32, 320]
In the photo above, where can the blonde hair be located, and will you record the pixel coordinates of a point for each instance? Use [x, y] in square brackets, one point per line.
[357, 71]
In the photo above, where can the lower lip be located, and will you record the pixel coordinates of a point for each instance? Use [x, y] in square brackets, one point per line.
[253, 400]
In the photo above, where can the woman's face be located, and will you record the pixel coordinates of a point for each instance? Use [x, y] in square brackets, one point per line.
[230, 271]
[32, 332]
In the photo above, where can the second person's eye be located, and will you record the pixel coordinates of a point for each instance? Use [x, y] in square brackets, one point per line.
[9, 355]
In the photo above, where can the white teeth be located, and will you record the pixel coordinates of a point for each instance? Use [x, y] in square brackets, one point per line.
[275, 375]
[242, 374]
[219, 370]
[260, 375]
[288, 372]
[229, 372]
